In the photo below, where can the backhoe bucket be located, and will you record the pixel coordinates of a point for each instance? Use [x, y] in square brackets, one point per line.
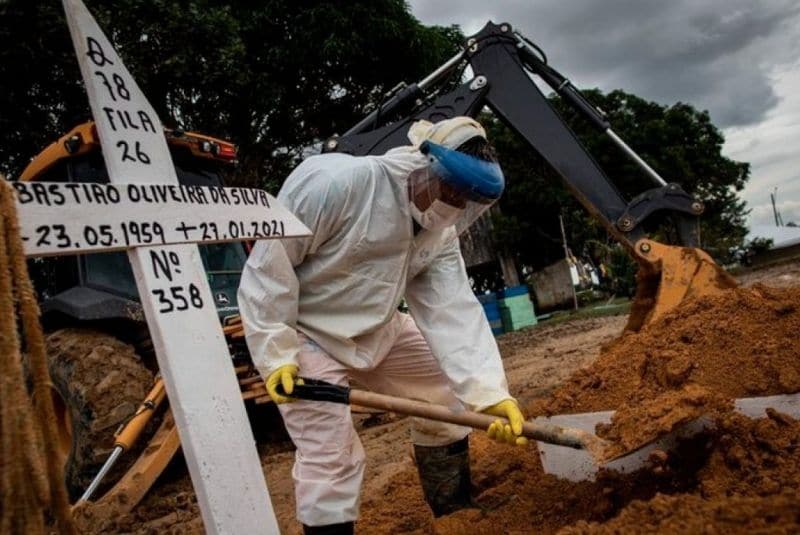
[669, 275]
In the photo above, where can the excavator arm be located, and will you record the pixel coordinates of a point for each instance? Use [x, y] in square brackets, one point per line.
[502, 62]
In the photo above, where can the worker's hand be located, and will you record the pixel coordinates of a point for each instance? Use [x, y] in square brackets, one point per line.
[508, 432]
[286, 376]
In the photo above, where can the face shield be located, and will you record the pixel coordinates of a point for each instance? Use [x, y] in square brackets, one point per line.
[454, 189]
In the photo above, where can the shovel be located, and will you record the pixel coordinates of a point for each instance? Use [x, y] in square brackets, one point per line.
[585, 453]
[578, 466]
[315, 390]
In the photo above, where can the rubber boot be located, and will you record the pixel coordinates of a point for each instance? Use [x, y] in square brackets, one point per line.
[345, 528]
[445, 477]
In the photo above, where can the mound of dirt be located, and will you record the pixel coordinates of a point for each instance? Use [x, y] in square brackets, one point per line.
[692, 514]
[738, 344]
[743, 475]
[749, 483]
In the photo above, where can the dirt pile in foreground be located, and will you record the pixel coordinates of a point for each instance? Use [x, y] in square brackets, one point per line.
[749, 483]
[692, 514]
[742, 476]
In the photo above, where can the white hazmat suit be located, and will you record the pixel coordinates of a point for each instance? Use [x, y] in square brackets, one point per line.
[329, 302]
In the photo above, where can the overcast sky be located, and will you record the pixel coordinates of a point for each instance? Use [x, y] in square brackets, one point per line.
[738, 59]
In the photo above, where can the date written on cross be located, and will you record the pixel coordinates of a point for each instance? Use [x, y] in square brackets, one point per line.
[83, 217]
[137, 233]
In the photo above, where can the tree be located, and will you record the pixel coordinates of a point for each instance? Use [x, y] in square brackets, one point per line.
[678, 141]
[40, 89]
[273, 76]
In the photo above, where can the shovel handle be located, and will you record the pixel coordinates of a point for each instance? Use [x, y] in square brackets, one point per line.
[321, 391]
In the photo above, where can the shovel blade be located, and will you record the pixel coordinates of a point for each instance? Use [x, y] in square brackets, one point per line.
[579, 465]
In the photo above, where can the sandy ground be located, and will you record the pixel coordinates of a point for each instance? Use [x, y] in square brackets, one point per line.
[536, 361]
[780, 276]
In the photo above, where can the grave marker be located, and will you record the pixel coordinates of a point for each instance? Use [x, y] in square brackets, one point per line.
[190, 346]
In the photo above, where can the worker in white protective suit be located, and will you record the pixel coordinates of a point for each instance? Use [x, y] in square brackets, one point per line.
[326, 307]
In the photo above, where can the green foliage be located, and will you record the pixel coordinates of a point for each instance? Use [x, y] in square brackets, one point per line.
[273, 76]
[620, 269]
[276, 76]
[745, 254]
[759, 245]
[41, 94]
[678, 141]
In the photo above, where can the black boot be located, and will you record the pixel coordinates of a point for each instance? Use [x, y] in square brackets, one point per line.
[444, 473]
[345, 528]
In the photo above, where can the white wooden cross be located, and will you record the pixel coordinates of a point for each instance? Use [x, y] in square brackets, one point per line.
[146, 211]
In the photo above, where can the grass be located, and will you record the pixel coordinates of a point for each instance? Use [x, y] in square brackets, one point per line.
[617, 306]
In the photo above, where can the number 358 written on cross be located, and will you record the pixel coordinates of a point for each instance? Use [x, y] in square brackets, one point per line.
[177, 298]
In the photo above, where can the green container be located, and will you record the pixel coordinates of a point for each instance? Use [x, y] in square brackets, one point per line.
[517, 312]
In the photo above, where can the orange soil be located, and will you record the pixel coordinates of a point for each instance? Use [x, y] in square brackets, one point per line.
[743, 476]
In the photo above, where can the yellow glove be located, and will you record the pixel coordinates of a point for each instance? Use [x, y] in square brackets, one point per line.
[510, 432]
[286, 376]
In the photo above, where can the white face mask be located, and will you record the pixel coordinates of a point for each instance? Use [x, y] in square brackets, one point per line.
[438, 216]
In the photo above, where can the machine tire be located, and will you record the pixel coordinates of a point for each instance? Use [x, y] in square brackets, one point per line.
[101, 381]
